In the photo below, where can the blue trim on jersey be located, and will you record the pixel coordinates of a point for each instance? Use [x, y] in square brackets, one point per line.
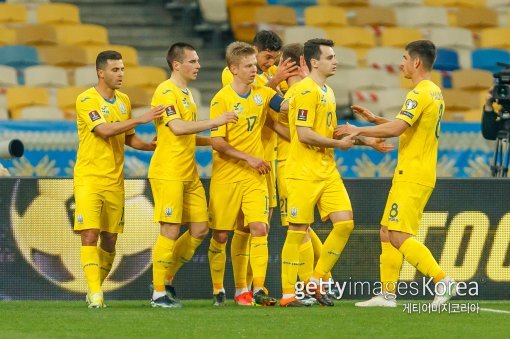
[111, 101]
[242, 96]
[276, 102]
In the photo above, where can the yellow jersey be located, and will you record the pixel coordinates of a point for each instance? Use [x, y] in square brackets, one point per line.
[314, 107]
[283, 118]
[245, 135]
[99, 162]
[417, 151]
[174, 157]
[269, 137]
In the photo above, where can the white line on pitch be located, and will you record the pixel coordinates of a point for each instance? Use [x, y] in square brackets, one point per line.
[493, 310]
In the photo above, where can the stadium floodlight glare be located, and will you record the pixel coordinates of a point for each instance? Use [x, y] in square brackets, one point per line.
[11, 149]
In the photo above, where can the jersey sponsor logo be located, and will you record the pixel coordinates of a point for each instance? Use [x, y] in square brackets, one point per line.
[170, 110]
[411, 104]
[416, 92]
[84, 99]
[185, 102]
[305, 92]
[302, 114]
[93, 115]
[407, 114]
[122, 108]
[238, 108]
[166, 91]
[258, 99]
[105, 110]
[214, 103]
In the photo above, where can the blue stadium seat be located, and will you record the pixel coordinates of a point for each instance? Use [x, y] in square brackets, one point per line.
[447, 60]
[19, 57]
[486, 58]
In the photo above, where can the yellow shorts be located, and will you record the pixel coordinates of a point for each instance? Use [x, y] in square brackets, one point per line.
[283, 194]
[271, 185]
[404, 207]
[329, 195]
[227, 199]
[179, 202]
[98, 209]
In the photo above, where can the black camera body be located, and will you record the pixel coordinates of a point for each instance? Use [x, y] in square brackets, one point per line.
[499, 120]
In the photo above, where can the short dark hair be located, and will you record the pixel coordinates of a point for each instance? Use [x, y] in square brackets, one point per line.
[176, 53]
[267, 41]
[293, 51]
[425, 50]
[312, 49]
[103, 57]
[238, 50]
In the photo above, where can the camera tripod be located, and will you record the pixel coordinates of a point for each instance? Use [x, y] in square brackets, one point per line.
[499, 165]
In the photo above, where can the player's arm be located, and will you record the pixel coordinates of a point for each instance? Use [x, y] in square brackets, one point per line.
[106, 130]
[220, 145]
[388, 130]
[368, 116]
[203, 141]
[280, 129]
[307, 136]
[182, 127]
[378, 144]
[135, 142]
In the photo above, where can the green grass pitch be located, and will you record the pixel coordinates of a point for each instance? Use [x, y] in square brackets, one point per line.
[199, 319]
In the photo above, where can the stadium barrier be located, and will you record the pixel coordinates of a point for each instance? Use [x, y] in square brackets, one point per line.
[466, 225]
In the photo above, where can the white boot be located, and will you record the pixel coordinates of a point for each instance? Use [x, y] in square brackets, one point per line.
[445, 289]
[380, 300]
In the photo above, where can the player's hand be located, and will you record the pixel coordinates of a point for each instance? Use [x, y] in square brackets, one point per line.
[226, 118]
[152, 114]
[259, 165]
[342, 130]
[154, 142]
[346, 142]
[379, 144]
[286, 69]
[364, 113]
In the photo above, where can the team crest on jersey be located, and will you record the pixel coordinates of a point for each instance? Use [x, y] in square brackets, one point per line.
[79, 219]
[168, 211]
[170, 110]
[122, 108]
[105, 110]
[94, 116]
[411, 104]
[293, 212]
[302, 114]
[258, 99]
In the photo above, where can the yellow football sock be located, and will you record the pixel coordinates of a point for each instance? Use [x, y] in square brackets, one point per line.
[161, 260]
[249, 273]
[105, 262]
[90, 262]
[291, 260]
[240, 253]
[259, 257]
[306, 260]
[217, 260]
[317, 249]
[333, 247]
[184, 250]
[390, 263]
[418, 255]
